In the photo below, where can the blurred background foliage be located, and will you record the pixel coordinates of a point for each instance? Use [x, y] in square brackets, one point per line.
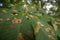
[29, 19]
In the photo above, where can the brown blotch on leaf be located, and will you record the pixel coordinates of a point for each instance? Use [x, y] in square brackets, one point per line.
[21, 37]
[32, 16]
[49, 36]
[57, 22]
[52, 33]
[27, 9]
[30, 33]
[16, 20]
[11, 5]
[1, 19]
[39, 24]
[4, 11]
[55, 27]
[8, 19]
[48, 30]
[13, 25]
[52, 37]
[15, 12]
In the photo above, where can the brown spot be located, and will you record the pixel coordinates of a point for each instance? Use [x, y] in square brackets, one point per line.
[4, 11]
[55, 27]
[30, 33]
[39, 24]
[27, 9]
[25, 38]
[52, 37]
[49, 36]
[1, 19]
[21, 37]
[52, 33]
[11, 5]
[14, 12]
[15, 20]
[13, 25]
[32, 16]
[8, 19]
[58, 21]
[48, 30]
